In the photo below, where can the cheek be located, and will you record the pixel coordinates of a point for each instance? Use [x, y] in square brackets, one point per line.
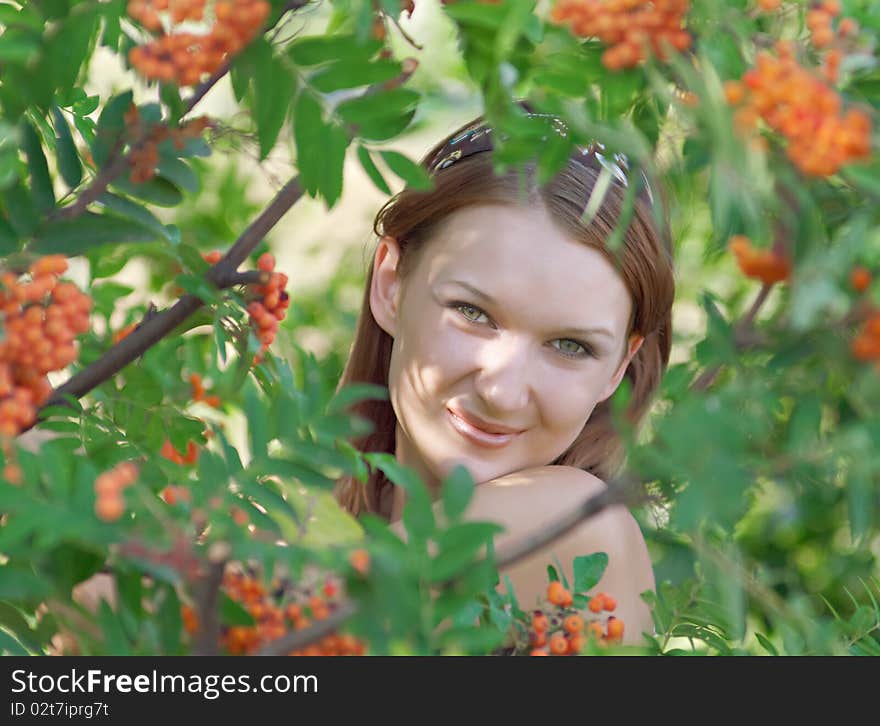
[568, 401]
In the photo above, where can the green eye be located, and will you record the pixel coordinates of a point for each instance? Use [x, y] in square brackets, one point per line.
[469, 311]
[571, 347]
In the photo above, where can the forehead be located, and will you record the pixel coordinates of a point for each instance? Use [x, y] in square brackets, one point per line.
[518, 256]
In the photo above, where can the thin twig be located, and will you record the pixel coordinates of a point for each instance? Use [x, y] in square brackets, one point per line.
[301, 638]
[740, 332]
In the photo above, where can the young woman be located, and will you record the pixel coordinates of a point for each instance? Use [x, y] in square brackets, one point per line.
[502, 323]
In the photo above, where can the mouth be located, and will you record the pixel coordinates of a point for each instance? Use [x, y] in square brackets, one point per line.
[477, 435]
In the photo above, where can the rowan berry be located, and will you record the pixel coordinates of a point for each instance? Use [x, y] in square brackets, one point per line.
[860, 278]
[540, 623]
[614, 628]
[538, 638]
[360, 561]
[573, 624]
[596, 604]
[576, 644]
[558, 594]
[109, 508]
[558, 644]
[12, 473]
[190, 619]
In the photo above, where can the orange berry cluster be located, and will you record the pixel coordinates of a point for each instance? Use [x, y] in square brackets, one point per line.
[804, 109]
[270, 307]
[632, 29]
[40, 318]
[200, 394]
[184, 57]
[109, 503]
[564, 631]
[866, 345]
[146, 12]
[823, 36]
[275, 613]
[144, 156]
[768, 266]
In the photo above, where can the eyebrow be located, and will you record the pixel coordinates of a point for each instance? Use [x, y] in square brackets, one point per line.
[492, 301]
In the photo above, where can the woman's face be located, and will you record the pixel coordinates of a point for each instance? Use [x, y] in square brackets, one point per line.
[507, 333]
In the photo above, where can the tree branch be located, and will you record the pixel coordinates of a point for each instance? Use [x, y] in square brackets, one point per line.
[224, 274]
[301, 638]
[209, 624]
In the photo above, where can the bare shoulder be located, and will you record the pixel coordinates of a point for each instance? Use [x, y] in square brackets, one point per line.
[554, 491]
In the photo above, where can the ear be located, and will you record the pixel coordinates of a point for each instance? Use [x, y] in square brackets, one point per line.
[635, 342]
[385, 284]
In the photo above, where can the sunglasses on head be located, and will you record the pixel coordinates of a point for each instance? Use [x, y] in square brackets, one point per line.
[478, 138]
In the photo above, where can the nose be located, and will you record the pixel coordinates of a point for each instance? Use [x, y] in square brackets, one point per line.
[503, 378]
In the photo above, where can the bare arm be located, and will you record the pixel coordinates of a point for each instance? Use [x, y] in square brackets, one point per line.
[530, 500]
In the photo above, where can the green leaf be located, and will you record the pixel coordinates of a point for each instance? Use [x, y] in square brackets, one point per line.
[123, 207]
[379, 105]
[411, 173]
[458, 546]
[20, 207]
[115, 639]
[21, 584]
[41, 182]
[75, 236]
[335, 143]
[308, 133]
[418, 515]
[178, 173]
[255, 411]
[8, 238]
[111, 124]
[355, 393]
[69, 163]
[353, 73]
[72, 44]
[552, 574]
[19, 49]
[316, 49]
[200, 287]
[157, 190]
[274, 87]
[766, 644]
[8, 644]
[588, 570]
[458, 488]
[372, 171]
[169, 621]
[232, 613]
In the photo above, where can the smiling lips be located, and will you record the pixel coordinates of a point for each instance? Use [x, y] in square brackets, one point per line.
[479, 432]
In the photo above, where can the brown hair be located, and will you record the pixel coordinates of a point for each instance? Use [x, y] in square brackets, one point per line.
[644, 260]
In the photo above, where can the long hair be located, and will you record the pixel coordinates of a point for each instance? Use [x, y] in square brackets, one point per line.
[643, 259]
